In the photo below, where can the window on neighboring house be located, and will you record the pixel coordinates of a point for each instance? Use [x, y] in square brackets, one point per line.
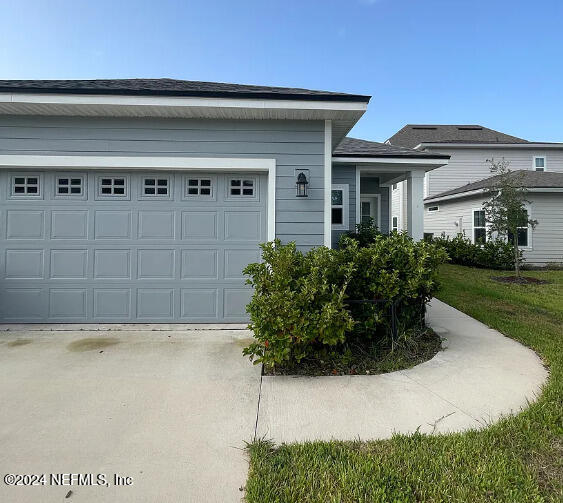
[479, 227]
[539, 163]
[241, 187]
[432, 209]
[23, 185]
[395, 223]
[522, 233]
[395, 186]
[339, 210]
[69, 186]
[153, 186]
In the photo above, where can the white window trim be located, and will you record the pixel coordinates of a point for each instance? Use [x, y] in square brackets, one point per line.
[69, 196]
[530, 230]
[116, 197]
[201, 197]
[393, 227]
[345, 188]
[240, 197]
[473, 210]
[218, 164]
[534, 168]
[25, 174]
[437, 206]
[155, 197]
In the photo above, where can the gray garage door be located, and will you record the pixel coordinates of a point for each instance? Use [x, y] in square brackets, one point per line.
[128, 246]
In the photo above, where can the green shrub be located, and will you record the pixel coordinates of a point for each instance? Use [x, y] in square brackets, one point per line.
[494, 254]
[301, 303]
[365, 234]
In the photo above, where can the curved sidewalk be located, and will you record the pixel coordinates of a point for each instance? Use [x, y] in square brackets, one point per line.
[480, 376]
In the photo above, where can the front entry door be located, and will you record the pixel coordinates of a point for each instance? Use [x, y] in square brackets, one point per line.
[369, 209]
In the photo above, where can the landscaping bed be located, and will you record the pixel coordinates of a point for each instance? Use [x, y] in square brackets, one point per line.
[518, 459]
[366, 360]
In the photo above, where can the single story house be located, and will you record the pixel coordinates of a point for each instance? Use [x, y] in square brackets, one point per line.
[454, 192]
[141, 200]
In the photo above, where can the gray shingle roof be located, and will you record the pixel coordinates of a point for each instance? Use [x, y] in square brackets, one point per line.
[529, 179]
[173, 87]
[413, 134]
[354, 147]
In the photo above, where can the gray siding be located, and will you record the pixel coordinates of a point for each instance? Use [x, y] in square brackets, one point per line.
[469, 165]
[345, 175]
[546, 239]
[293, 144]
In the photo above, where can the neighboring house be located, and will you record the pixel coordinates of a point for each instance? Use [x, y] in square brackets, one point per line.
[461, 210]
[142, 200]
[469, 147]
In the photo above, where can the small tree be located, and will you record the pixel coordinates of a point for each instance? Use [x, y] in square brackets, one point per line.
[505, 209]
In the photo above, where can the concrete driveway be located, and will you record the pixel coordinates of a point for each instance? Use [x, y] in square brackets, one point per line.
[170, 409]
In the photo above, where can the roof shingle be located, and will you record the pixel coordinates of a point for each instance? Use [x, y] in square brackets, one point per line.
[414, 134]
[354, 147]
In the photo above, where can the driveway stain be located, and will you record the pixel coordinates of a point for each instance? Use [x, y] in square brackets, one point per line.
[18, 342]
[91, 344]
[244, 342]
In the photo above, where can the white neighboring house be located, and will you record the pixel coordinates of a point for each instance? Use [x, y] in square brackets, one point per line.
[453, 200]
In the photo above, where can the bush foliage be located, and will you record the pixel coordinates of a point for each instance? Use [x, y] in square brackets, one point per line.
[301, 303]
[494, 254]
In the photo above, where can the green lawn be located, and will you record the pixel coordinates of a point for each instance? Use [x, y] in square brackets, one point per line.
[518, 459]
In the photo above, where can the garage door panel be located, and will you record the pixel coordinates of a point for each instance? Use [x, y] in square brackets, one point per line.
[68, 303]
[112, 303]
[156, 225]
[19, 304]
[234, 302]
[69, 264]
[177, 258]
[112, 224]
[199, 264]
[112, 264]
[199, 225]
[25, 224]
[66, 224]
[155, 303]
[243, 225]
[24, 264]
[199, 303]
[156, 264]
[237, 260]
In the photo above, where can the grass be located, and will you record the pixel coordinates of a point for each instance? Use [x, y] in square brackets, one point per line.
[519, 459]
[366, 359]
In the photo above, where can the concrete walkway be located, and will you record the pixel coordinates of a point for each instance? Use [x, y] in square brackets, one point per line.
[480, 376]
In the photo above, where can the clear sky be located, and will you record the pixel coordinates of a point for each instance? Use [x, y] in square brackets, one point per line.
[497, 63]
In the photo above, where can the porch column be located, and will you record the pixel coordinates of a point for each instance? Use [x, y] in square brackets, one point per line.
[415, 204]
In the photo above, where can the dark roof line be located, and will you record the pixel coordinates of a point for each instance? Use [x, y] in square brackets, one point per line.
[529, 179]
[174, 87]
[355, 147]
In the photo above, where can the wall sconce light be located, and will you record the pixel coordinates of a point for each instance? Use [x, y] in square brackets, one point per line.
[301, 184]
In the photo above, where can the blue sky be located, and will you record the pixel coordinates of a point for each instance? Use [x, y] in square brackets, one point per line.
[497, 63]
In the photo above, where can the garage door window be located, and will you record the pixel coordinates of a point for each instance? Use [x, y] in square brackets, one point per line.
[113, 187]
[200, 188]
[69, 186]
[156, 187]
[26, 186]
[241, 187]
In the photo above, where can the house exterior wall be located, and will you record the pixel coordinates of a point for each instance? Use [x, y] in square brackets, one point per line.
[399, 205]
[468, 165]
[546, 239]
[295, 145]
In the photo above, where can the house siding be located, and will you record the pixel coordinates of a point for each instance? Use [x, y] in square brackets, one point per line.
[546, 238]
[295, 145]
[469, 165]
